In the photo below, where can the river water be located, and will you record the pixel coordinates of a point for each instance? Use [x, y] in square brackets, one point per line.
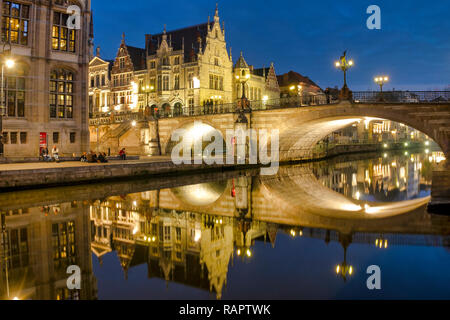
[309, 232]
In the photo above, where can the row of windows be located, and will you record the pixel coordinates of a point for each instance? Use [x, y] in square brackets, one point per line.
[121, 80]
[166, 61]
[98, 81]
[61, 87]
[16, 22]
[13, 137]
[21, 137]
[251, 92]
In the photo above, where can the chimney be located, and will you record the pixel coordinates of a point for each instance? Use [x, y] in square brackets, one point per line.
[147, 42]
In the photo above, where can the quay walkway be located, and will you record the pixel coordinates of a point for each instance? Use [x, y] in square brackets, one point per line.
[42, 174]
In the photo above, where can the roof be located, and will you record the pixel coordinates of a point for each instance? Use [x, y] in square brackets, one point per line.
[287, 79]
[262, 72]
[137, 56]
[241, 63]
[190, 36]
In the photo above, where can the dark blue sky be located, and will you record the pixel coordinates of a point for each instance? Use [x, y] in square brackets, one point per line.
[413, 46]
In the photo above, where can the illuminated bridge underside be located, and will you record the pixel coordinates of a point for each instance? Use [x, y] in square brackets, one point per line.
[301, 128]
[301, 192]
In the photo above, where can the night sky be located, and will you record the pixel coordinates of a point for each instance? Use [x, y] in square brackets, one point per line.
[412, 47]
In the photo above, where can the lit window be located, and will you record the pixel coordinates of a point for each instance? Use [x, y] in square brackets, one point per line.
[61, 94]
[15, 22]
[15, 92]
[63, 39]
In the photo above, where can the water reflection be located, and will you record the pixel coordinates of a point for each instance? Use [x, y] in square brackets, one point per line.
[382, 179]
[197, 235]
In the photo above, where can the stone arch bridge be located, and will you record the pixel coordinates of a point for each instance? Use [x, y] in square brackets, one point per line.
[300, 127]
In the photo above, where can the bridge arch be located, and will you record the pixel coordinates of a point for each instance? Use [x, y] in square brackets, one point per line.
[301, 128]
[195, 130]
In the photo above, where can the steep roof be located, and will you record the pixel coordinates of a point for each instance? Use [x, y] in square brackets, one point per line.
[190, 36]
[241, 63]
[137, 56]
[262, 72]
[287, 79]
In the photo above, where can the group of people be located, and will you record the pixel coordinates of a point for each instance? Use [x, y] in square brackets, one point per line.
[92, 157]
[45, 154]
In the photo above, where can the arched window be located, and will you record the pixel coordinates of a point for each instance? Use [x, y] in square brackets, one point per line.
[15, 91]
[61, 94]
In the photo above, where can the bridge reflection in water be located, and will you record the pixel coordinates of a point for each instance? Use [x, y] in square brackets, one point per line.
[192, 230]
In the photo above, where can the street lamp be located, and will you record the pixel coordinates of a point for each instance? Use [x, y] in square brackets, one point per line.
[147, 90]
[299, 93]
[381, 81]
[5, 60]
[345, 65]
[243, 79]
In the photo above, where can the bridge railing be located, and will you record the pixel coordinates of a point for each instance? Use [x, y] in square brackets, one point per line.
[401, 97]
[207, 109]
[112, 118]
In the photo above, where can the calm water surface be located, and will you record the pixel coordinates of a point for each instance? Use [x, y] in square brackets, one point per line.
[308, 233]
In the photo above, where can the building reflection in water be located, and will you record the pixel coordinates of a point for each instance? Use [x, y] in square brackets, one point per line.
[192, 235]
[385, 179]
[38, 244]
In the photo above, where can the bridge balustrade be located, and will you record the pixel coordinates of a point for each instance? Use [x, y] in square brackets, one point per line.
[402, 97]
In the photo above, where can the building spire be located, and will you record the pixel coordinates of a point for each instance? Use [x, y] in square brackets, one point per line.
[164, 34]
[216, 16]
[123, 38]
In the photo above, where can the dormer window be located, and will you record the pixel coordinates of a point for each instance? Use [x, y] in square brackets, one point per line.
[122, 63]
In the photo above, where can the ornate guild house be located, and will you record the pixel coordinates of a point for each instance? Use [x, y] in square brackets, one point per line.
[45, 85]
[176, 73]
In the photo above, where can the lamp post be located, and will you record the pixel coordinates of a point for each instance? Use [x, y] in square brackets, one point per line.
[381, 81]
[299, 93]
[147, 90]
[345, 65]
[243, 79]
[5, 60]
